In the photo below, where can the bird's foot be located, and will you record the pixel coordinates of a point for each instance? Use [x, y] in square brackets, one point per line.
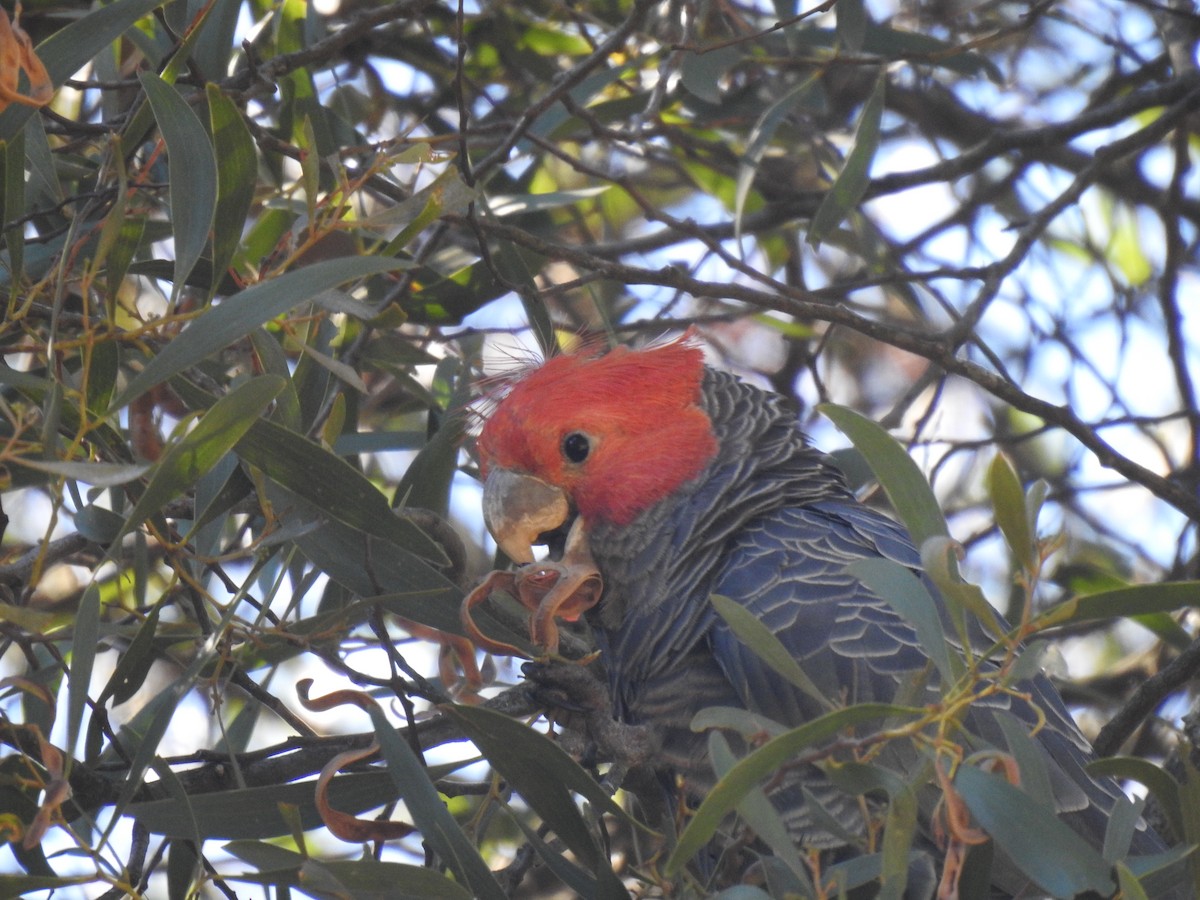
[579, 701]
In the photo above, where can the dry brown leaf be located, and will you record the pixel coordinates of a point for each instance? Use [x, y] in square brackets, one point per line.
[17, 55]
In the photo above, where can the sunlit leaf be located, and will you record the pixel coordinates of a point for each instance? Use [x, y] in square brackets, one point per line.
[1012, 516]
[237, 170]
[218, 430]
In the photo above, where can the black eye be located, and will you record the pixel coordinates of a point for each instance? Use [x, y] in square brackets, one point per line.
[576, 446]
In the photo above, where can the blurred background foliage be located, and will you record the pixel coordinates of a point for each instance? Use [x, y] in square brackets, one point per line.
[257, 257]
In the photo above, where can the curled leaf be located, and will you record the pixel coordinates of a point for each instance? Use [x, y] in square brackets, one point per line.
[17, 55]
[343, 825]
[549, 590]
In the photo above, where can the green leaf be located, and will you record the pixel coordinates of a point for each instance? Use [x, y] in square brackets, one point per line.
[759, 140]
[854, 179]
[1030, 758]
[544, 776]
[1136, 601]
[1122, 824]
[12, 202]
[1131, 888]
[1012, 515]
[517, 204]
[332, 485]
[237, 177]
[899, 833]
[906, 594]
[100, 474]
[1044, 848]
[701, 70]
[362, 879]
[83, 657]
[756, 809]
[939, 559]
[426, 481]
[745, 722]
[218, 430]
[441, 833]
[253, 812]
[234, 318]
[154, 719]
[900, 477]
[1164, 788]
[751, 631]
[134, 665]
[192, 172]
[726, 794]
[368, 879]
[852, 22]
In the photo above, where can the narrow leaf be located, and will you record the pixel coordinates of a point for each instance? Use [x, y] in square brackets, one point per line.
[433, 820]
[752, 632]
[1164, 788]
[725, 796]
[71, 48]
[1137, 600]
[899, 476]
[852, 182]
[134, 664]
[218, 430]
[1044, 848]
[332, 485]
[237, 174]
[759, 140]
[83, 658]
[911, 599]
[192, 171]
[1012, 516]
[756, 808]
[544, 776]
[237, 316]
[253, 812]
[100, 474]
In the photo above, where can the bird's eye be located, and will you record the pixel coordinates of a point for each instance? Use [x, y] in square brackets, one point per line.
[576, 446]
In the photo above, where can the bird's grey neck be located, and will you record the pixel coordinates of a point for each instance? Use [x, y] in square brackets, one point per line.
[763, 463]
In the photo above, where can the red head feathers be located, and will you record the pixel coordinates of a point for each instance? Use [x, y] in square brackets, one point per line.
[617, 432]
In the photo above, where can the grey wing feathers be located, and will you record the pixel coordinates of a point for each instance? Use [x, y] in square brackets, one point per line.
[789, 568]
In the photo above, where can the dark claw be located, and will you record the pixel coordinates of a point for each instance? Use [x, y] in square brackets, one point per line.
[534, 671]
[553, 699]
[565, 686]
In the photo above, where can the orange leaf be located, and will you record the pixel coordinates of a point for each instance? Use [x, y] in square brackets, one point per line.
[17, 54]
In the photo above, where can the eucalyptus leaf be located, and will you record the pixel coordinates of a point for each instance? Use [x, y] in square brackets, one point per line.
[899, 476]
[1047, 850]
[760, 764]
[234, 318]
[852, 182]
[192, 169]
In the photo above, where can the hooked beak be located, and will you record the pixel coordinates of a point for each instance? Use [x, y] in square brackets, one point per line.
[517, 508]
